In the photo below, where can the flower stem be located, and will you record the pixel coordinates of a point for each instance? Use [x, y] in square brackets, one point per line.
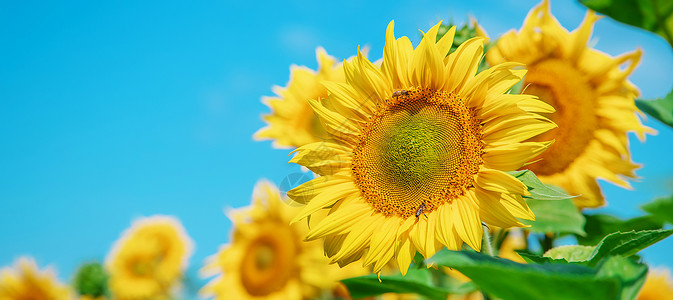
[486, 241]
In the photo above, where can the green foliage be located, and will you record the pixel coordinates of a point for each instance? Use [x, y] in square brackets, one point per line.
[571, 253]
[613, 278]
[91, 279]
[627, 243]
[599, 226]
[651, 15]
[660, 209]
[537, 189]
[463, 34]
[418, 281]
[553, 208]
[661, 109]
[616, 244]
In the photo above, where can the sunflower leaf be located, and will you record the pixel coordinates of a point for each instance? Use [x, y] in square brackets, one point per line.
[627, 243]
[661, 108]
[532, 258]
[537, 189]
[614, 278]
[418, 281]
[570, 253]
[660, 209]
[652, 15]
[560, 216]
[599, 226]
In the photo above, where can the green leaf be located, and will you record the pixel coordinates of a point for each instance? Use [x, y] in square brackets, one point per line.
[660, 209]
[505, 279]
[599, 226]
[560, 216]
[651, 15]
[537, 189]
[418, 281]
[553, 208]
[616, 244]
[661, 108]
[630, 273]
[571, 253]
[627, 243]
[532, 258]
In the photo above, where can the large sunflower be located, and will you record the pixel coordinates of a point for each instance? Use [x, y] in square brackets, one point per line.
[593, 100]
[267, 258]
[148, 261]
[419, 152]
[292, 122]
[25, 281]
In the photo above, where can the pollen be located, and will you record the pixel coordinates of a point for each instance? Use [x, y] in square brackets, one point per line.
[420, 147]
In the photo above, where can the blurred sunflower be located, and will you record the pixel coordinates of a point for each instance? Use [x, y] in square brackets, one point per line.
[593, 100]
[148, 261]
[25, 281]
[267, 258]
[418, 152]
[658, 285]
[292, 122]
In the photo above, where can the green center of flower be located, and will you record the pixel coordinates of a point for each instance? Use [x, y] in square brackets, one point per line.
[422, 149]
[414, 150]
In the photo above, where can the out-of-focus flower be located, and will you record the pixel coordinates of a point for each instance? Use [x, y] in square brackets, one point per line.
[26, 281]
[267, 258]
[658, 286]
[292, 123]
[148, 261]
[594, 103]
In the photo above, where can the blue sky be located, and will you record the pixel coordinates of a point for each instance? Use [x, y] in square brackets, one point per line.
[113, 111]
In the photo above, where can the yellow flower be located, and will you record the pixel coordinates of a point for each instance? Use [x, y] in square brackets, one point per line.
[418, 152]
[267, 258]
[25, 281]
[658, 285]
[148, 261]
[593, 100]
[292, 122]
[515, 240]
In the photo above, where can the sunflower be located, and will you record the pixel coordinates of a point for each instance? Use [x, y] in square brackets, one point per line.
[292, 122]
[658, 285]
[267, 258]
[418, 152]
[25, 281]
[594, 103]
[148, 261]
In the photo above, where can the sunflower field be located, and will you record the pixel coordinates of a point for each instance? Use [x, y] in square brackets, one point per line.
[460, 162]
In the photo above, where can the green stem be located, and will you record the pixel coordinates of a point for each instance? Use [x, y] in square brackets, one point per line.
[486, 241]
[547, 242]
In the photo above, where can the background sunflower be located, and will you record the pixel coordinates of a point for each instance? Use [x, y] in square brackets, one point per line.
[594, 103]
[267, 257]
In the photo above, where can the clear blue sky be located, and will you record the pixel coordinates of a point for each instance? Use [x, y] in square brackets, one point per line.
[112, 111]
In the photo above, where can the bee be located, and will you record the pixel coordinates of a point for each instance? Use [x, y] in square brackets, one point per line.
[400, 93]
[420, 210]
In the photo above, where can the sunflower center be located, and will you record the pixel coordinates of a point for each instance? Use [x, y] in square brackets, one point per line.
[563, 87]
[267, 263]
[420, 150]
